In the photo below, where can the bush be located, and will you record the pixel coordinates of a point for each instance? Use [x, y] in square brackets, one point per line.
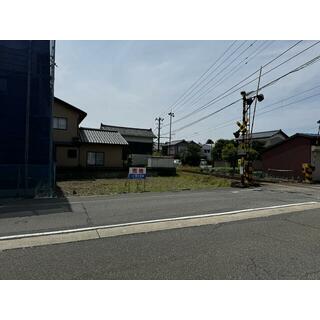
[225, 170]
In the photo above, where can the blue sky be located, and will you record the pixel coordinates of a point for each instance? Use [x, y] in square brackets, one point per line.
[129, 83]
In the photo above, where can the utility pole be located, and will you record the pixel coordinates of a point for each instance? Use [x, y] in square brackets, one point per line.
[171, 115]
[159, 120]
[243, 140]
[246, 135]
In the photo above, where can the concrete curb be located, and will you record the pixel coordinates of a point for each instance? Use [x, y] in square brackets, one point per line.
[90, 233]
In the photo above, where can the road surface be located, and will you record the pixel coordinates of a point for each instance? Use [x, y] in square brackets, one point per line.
[78, 212]
[285, 246]
[281, 246]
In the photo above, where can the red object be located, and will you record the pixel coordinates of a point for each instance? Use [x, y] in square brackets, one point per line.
[289, 155]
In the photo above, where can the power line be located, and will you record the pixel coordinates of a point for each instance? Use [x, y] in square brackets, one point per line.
[224, 95]
[304, 65]
[231, 72]
[209, 74]
[289, 104]
[203, 74]
[226, 67]
[231, 121]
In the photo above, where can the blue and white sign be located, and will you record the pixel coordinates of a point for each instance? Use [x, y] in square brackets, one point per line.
[137, 173]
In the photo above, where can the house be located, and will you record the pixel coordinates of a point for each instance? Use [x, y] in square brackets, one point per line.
[75, 146]
[268, 138]
[176, 147]
[140, 140]
[206, 151]
[286, 157]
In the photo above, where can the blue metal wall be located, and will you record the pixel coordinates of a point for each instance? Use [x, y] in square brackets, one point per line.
[25, 118]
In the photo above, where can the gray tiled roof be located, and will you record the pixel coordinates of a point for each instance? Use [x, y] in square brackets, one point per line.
[126, 131]
[88, 135]
[175, 142]
[265, 134]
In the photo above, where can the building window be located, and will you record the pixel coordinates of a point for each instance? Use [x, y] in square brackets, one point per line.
[95, 158]
[72, 153]
[60, 123]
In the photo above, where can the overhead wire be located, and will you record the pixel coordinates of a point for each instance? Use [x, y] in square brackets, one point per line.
[302, 66]
[231, 121]
[224, 95]
[230, 73]
[210, 80]
[202, 75]
[209, 74]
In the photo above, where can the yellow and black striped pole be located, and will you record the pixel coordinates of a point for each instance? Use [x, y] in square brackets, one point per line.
[307, 169]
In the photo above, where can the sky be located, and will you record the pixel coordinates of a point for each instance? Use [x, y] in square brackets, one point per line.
[130, 83]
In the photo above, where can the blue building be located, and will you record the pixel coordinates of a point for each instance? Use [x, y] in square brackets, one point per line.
[26, 96]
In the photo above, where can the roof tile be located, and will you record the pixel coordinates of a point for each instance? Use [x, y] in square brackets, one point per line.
[88, 135]
[127, 131]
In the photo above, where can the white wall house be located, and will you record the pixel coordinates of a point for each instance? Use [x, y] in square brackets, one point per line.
[206, 151]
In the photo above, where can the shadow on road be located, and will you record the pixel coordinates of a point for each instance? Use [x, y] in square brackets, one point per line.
[11, 208]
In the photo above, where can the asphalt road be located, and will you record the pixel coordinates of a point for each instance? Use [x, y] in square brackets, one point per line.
[46, 215]
[285, 246]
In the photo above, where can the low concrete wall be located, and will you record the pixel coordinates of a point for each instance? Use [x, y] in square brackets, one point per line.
[107, 173]
[221, 163]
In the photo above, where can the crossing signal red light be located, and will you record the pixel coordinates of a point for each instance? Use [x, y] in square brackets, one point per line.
[237, 134]
[260, 97]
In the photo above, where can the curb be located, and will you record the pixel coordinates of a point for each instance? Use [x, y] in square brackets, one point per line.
[97, 232]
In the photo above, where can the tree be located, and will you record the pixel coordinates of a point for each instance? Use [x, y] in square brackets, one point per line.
[217, 149]
[230, 154]
[209, 141]
[253, 154]
[192, 155]
[259, 147]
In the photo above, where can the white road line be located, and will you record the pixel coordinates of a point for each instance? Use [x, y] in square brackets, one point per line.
[38, 234]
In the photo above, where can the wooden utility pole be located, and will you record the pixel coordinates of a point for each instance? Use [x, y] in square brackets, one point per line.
[159, 120]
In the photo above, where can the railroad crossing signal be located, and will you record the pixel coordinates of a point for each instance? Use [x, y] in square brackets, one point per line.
[245, 130]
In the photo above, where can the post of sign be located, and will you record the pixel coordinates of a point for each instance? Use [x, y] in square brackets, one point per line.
[138, 174]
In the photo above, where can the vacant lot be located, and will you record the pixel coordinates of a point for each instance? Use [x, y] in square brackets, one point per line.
[182, 181]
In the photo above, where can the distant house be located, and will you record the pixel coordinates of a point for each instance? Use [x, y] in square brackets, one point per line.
[83, 147]
[140, 140]
[176, 147]
[206, 151]
[268, 138]
[286, 157]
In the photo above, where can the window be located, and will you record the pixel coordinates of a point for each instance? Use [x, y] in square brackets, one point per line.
[59, 123]
[72, 153]
[95, 159]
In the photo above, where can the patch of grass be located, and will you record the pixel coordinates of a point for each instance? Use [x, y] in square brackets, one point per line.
[184, 180]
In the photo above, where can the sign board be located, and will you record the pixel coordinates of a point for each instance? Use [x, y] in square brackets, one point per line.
[137, 173]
